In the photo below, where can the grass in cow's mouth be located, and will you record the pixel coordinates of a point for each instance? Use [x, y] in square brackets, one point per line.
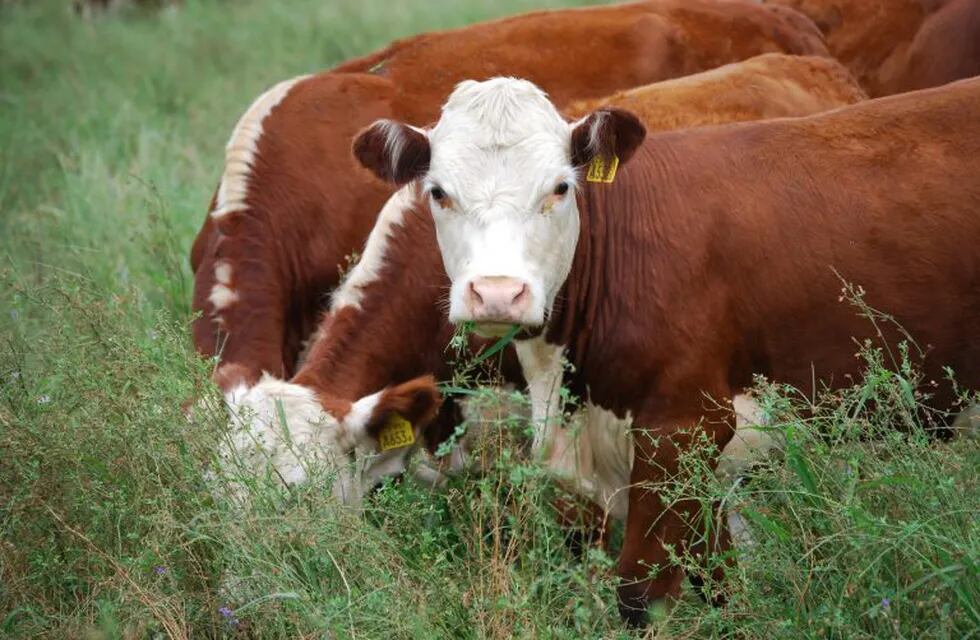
[112, 131]
[494, 329]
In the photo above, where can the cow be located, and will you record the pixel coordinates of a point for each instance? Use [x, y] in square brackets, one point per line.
[292, 204]
[893, 46]
[384, 322]
[772, 85]
[673, 268]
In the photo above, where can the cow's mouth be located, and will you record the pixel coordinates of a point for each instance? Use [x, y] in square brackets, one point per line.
[492, 329]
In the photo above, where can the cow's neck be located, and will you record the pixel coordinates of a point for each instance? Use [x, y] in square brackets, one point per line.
[615, 290]
[571, 318]
[365, 345]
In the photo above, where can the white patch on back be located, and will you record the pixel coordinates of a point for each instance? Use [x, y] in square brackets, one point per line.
[223, 272]
[368, 268]
[222, 296]
[241, 149]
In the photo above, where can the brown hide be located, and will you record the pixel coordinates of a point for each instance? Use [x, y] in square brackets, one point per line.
[309, 205]
[772, 85]
[893, 46]
[717, 254]
[946, 48]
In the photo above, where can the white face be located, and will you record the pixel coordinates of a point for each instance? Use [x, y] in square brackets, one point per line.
[311, 439]
[499, 169]
[502, 191]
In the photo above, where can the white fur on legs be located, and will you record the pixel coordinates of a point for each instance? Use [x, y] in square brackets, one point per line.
[753, 440]
[967, 423]
[541, 364]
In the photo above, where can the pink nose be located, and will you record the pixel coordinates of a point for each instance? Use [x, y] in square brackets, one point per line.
[498, 299]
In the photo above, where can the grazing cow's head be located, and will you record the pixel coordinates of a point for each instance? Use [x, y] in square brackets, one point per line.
[284, 428]
[501, 168]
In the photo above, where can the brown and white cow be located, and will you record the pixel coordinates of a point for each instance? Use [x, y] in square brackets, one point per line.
[714, 254]
[292, 203]
[893, 46]
[385, 325]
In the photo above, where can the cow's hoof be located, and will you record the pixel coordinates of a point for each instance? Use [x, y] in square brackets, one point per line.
[632, 607]
[713, 597]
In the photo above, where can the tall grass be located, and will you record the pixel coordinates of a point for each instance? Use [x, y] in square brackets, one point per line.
[111, 132]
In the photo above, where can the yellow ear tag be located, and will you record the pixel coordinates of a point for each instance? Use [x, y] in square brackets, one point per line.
[396, 433]
[601, 171]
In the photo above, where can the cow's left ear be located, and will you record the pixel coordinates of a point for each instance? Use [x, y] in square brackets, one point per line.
[607, 132]
[393, 418]
[394, 151]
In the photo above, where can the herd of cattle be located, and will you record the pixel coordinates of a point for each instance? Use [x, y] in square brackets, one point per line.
[553, 171]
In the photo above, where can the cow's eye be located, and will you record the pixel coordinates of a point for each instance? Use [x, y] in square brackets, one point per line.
[437, 194]
[561, 188]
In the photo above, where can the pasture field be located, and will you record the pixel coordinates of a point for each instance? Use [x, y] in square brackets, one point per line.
[111, 134]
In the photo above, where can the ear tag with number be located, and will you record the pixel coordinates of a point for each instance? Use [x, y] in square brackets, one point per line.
[602, 171]
[396, 433]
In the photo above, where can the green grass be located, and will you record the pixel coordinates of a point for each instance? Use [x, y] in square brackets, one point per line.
[111, 134]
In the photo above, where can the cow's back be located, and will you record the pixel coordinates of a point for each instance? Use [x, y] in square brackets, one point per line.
[772, 85]
[640, 43]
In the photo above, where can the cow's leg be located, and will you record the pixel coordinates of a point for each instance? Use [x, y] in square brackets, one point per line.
[652, 526]
[716, 543]
[585, 524]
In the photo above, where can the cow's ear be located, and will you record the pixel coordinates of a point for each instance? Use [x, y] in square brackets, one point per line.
[607, 133]
[395, 417]
[393, 151]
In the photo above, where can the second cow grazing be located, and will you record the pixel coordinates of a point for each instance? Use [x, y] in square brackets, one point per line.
[678, 267]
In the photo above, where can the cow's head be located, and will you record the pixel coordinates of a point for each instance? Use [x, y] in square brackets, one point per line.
[501, 169]
[287, 430]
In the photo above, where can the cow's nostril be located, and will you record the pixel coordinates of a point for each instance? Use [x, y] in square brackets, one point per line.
[475, 295]
[521, 295]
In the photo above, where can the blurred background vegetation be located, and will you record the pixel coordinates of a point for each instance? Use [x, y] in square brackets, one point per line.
[112, 125]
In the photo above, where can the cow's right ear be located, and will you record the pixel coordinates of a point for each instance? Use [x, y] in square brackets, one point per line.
[394, 151]
[608, 132]
[396, 416]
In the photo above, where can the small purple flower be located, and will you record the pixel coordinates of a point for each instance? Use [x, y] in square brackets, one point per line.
[886, 603]
[229, 615]
[159, 570]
